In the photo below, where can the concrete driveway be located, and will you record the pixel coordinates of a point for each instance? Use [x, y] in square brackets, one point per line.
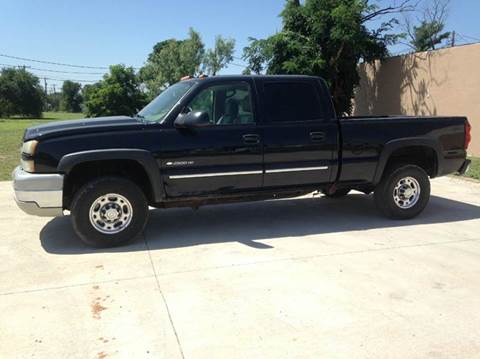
[304, 278]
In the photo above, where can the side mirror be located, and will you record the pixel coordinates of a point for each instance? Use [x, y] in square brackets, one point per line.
[192, 120]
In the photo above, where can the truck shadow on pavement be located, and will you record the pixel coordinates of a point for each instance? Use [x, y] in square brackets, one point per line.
[248, 222]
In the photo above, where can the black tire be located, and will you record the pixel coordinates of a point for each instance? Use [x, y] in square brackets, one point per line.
[339, 193]
[385, 196]
[90, 192]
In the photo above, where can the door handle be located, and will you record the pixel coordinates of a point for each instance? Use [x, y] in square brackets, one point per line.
[317, 136]
[251, 139]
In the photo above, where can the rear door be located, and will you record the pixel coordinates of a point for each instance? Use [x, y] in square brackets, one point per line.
[225, 157]
[300, 134]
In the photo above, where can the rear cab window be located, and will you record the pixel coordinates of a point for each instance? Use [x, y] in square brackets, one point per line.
[291, 101]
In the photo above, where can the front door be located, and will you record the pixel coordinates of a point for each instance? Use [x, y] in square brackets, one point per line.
[223, 158]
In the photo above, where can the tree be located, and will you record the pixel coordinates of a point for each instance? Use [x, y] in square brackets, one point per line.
[220, 56]
[428, 35]
[71, 97]
[430, 31]
[326, 38]
[257, 54]
[171, 60]
[119, 93]
[20, 93]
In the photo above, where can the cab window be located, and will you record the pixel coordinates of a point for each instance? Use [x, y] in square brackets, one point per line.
[291, 102]
[229, 104]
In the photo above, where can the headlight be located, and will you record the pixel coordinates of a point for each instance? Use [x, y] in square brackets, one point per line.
[29, 147]
[28, 150]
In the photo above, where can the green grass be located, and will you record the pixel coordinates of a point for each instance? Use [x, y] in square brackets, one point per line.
[474, 171]
[11, 133]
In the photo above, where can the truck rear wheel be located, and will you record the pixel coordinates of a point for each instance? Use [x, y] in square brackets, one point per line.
[403, 192]
[109, 211]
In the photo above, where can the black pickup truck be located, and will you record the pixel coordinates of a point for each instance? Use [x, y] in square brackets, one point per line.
[227, 139]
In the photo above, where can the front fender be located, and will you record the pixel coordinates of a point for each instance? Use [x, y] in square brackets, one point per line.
[144, 158]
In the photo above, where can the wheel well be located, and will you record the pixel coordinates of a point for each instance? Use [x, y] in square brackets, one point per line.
[87, 171]
[421, 156]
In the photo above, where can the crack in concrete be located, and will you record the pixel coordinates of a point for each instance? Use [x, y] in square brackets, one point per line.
[25, 291]
[163, 296]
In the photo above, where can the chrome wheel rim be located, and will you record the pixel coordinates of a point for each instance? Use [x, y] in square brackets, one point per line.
[111, 213]
[406, 193]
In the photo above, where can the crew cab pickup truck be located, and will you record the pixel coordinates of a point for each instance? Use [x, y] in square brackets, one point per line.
[226, 139]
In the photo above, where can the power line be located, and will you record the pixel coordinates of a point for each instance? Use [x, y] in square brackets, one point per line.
[42, 75]
[14, 66]
[50, 78]
[69, 72]
[462, 39]
[79, 66]
[468, 37]
[57, 63]
[56, 71]
[74, 80]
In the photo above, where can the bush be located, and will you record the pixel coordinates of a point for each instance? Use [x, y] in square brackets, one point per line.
[20, 94]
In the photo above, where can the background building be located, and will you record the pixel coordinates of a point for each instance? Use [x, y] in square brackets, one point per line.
[440, 82]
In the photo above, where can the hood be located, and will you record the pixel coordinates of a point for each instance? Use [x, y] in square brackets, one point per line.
[60, 128]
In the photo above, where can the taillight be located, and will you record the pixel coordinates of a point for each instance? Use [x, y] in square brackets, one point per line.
[468, 135]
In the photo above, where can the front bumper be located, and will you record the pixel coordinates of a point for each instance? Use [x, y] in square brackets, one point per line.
[38, 194]
[465, 167]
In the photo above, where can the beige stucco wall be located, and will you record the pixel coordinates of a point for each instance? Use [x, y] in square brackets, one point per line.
[442, 82]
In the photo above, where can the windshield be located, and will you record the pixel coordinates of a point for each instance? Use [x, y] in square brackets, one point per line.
[156, 110]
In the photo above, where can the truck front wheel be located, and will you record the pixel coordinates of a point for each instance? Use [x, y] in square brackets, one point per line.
[109, 211]
[403, 192]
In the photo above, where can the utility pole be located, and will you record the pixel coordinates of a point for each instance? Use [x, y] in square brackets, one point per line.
[453, 38]
[45, 82]
[54, 90]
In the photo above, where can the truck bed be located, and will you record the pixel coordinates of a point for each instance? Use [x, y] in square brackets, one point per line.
[364, 139]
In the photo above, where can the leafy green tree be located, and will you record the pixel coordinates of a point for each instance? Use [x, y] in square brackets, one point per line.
[326, 38]
[119, 93]
[71, 96]
[220, 56]
[430, 33]
[170, 61]
[257, 54]
[20, 93]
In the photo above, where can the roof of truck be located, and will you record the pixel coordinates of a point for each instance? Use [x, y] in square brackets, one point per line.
[248, 77]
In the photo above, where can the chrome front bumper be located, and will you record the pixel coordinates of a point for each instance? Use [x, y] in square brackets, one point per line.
[38, 194]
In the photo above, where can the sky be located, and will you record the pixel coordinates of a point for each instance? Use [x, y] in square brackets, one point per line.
[103, 32]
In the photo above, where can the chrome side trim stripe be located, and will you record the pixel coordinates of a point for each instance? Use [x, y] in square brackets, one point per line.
[219, 174]
[298, 169]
